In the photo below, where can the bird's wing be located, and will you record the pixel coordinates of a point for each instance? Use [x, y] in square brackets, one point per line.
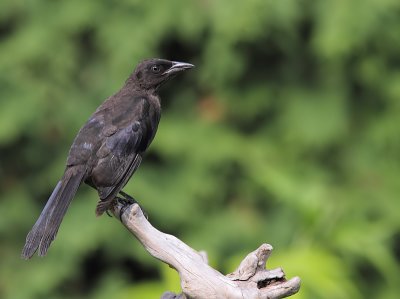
[118, 158]
[120, 123]
[121, 151]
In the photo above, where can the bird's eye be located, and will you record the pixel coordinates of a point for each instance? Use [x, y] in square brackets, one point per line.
[156, 69]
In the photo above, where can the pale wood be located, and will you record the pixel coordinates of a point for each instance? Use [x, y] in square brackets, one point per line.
[200, 281]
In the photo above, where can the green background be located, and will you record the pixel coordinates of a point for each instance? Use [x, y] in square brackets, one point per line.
[286, 132]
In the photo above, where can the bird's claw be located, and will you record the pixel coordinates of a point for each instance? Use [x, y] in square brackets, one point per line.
[128, 200]
[125, 204]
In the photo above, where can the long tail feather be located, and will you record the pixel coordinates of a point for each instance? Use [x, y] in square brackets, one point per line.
[46, 227]
[34, 236]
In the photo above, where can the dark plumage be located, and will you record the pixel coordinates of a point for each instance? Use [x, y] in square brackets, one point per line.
[108, 148]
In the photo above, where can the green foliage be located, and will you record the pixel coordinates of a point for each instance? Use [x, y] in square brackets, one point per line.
[286, 132]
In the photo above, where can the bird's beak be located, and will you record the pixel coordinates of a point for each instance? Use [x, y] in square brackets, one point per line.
[178, 67]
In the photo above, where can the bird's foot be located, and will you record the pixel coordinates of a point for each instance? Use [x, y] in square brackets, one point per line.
[126, 201]
[127, 198]
[125, 204]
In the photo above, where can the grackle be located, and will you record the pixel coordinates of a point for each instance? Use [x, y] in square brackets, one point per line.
[108, 148]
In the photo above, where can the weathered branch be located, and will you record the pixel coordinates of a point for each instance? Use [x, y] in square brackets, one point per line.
[198, 280]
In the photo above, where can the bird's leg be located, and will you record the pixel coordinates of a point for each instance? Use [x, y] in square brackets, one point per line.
[128, 200]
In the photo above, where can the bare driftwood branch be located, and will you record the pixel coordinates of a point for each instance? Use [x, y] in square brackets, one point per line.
[198, 280]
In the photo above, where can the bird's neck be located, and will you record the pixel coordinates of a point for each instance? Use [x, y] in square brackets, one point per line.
[135, 85]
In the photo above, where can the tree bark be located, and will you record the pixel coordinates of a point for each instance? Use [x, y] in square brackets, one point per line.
[198, 280]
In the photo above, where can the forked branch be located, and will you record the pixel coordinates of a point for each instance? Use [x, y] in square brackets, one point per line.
[198, 280]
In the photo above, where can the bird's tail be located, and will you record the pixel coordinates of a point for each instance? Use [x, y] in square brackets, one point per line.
[45, 229]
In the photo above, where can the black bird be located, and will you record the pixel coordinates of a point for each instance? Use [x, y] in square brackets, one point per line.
[108, 148]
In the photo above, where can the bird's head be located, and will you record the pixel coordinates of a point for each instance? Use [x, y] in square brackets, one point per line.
[152, 73]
